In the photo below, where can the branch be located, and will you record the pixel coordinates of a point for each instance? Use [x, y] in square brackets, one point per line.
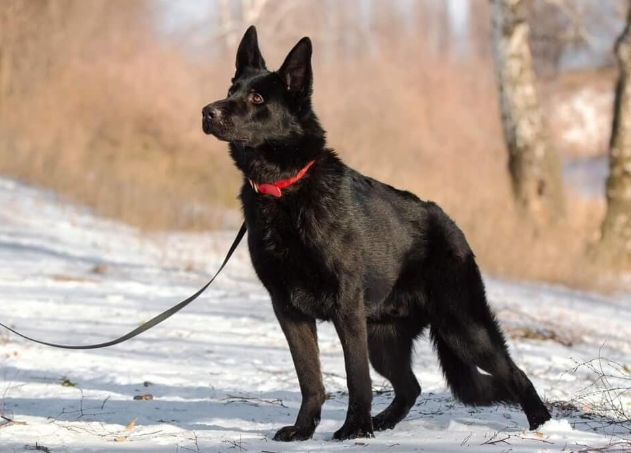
[570, 11]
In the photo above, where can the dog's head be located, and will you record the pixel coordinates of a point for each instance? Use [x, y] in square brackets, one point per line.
[263, 106]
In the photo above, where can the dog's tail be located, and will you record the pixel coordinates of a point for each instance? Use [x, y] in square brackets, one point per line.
[467, 384]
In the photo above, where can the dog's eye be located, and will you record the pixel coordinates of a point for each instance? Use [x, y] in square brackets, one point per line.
[256, 98]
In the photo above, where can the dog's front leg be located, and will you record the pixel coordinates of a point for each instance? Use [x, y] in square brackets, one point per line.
[302, 337]
[350, 323]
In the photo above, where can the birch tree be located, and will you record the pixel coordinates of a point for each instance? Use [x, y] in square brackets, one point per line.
[533, 165]
[615, 243]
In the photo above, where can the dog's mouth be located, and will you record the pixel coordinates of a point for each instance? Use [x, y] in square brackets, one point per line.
[220, 132]
[212, 128]
[208, 127]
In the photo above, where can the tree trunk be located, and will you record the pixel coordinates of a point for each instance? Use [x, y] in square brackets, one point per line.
[533, 164]
[615, 244]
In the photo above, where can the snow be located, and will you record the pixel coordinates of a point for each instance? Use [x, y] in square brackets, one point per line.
[587, 176]
[587, 113]
[220, 372]
[581, 116]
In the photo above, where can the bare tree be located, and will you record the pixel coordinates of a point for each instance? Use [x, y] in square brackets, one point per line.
[270, 16]
[615, 243]
[235, 20]
[533, 164]
[556, 27]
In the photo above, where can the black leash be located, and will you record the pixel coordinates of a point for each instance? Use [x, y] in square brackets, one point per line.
[152, 322]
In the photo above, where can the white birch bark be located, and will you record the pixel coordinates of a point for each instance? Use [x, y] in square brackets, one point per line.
[533, 164]
[615, 243]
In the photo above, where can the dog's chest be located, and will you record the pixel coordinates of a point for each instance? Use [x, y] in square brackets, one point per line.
[291, 261]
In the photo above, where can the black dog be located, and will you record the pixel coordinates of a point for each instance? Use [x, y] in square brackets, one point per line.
[329, 243]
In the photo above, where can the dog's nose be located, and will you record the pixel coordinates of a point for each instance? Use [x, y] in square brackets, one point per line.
[211, 112]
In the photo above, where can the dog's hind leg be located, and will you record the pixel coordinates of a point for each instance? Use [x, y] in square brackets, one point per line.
[390, 350]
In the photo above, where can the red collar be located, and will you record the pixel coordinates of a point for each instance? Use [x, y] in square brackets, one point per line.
[273, 188]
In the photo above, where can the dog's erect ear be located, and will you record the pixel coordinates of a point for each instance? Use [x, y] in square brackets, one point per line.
[249, 55]
[296, 70]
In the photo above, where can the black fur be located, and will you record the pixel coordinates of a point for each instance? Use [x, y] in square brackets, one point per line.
[379, 263]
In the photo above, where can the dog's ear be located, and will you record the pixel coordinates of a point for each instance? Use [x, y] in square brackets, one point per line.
[249, 55]
[296, 70]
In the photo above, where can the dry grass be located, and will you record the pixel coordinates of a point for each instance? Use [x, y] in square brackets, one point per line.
[437, 133]
[120, 131]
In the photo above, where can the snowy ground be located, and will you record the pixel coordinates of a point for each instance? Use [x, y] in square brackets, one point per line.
[220, 372]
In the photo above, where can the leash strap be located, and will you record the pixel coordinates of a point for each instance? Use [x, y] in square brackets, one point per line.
[152, 322]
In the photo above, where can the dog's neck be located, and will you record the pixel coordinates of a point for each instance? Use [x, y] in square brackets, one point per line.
[274, 161]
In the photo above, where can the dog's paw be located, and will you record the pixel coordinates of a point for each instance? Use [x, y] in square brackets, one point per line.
[382, 422]
[390, 417]
[538, 417]
[354, 431]
[291, 433]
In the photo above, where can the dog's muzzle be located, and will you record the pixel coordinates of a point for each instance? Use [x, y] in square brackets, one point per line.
[211, 118]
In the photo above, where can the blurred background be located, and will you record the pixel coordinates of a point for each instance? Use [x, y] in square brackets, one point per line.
[100, 101]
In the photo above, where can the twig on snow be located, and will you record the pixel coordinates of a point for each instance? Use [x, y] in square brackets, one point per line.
[37, 447]
[494, 440]
[197, 450]
[612, 380]
[238, 445]
[105, 401]
[9, 421]
[253, 401]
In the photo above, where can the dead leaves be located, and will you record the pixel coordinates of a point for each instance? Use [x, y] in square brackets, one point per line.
[67, 383]
[541, 333]
[128, 429]
[143, 397]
